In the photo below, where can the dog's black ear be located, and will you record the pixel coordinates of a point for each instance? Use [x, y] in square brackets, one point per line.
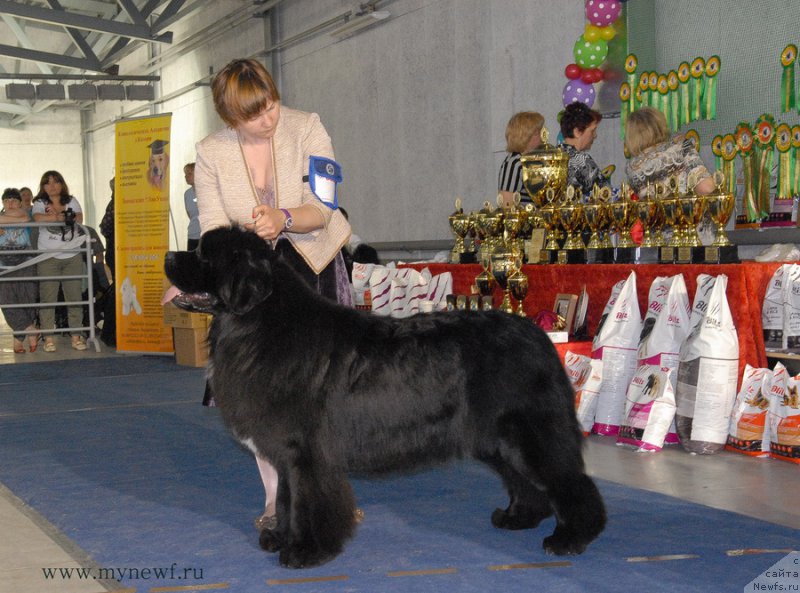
[247, 283]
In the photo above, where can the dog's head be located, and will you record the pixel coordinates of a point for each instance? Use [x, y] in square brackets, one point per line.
[230, 271]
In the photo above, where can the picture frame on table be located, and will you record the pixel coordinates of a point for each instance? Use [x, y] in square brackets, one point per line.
[580, 329]
[565, 306]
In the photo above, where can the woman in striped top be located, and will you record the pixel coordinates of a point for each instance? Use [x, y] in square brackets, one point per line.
[523, 134]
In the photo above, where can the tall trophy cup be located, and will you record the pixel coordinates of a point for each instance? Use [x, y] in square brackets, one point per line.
[572, 219]
[598, 221]
[518, 285]
[650, 215]
[484, 281]
[502, 268]
[544, 170]
[624, 213]
[720, 207]
[671, 208]
[690, 211]
[460, 224]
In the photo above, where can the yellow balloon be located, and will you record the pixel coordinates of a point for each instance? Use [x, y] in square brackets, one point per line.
[591, 33]
[608, 33]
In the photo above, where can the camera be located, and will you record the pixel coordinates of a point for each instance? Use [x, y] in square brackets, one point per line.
[69, 225]
[69, 217]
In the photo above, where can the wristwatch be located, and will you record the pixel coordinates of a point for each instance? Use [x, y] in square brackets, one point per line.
[287, 224]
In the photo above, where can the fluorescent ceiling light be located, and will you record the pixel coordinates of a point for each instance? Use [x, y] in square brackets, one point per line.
[111, 92]
[360, 22]
[140, 92]
[82, 92]
[20, 91]
[50, 92]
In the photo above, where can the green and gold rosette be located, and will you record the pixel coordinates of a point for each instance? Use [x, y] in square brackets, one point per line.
[631, 63]
[693, 137]
[796, 153]
[625, 95]
[729, 151]
[716, 148]
[697, 70]
[713, 65]
[652, 87]
[674, 101]
[788, 57]
[765, 151]
[684, 74]
[663, 95]
[786, 161]
[644, 92]
[744, 142]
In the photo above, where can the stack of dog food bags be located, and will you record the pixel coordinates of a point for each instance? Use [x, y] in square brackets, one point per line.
[780, 312]
[399, 292]
[616, 343]
[586, 376]
[785, 421]
[749, 427]
[707, 377]
[650, 402]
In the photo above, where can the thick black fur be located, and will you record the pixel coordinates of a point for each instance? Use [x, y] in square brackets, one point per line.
[321, 390]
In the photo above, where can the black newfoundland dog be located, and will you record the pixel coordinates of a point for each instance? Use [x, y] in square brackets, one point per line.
[321, 390]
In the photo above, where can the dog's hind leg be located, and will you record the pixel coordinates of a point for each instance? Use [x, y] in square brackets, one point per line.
[528, 505]
[550, 458]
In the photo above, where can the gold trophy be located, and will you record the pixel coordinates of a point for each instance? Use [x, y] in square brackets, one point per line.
[572, 219]
[502, 268]
[544, 175]
[598, 220]
[624, 213]
[484, 281]
[514, 220]
[690, 212]
[460, 224]
[651, 215]
[518, 285]
[720, 207]
[671, 209]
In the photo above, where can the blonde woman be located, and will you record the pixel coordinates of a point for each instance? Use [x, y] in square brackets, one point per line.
[523, 134]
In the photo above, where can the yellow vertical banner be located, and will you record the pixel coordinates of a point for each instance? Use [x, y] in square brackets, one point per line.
[141, 228]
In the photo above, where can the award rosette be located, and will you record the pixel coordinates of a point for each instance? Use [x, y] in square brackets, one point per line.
[796, 160]
[625, 109]
[783, 144]
[643, 90]
[663, 95]
[697, 70]
[685, 103]
[744, 142]
[674, 101]
[693, 137]
[631, 63]
[713, 65]
[788, 57]
[764, 141]
[652, 89]
[716, 148]
[729, 151]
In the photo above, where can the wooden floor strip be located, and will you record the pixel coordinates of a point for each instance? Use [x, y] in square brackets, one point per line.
[747, 551]
[530, 565]
[662, 558]
[300, 581]
[419, 573]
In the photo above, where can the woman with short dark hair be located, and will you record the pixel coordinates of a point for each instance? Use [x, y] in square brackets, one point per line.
[579, 129]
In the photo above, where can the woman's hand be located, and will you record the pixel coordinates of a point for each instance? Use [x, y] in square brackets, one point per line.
[268, 222]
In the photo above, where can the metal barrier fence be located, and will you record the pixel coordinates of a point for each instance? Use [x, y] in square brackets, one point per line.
[41, 255]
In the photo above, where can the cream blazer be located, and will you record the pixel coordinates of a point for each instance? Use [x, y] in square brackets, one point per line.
[226, 195]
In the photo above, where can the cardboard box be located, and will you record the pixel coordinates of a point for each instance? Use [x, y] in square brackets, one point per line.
[175, 317]
[191, 346]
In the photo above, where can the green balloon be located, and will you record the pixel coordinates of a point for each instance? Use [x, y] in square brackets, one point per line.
[590, 54]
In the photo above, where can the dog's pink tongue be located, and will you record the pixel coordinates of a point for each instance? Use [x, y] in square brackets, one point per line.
[170, 294]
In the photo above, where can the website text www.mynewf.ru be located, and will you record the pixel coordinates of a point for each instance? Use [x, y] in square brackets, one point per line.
[125, 573]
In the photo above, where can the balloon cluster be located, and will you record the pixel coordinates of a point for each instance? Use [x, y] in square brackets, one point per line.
[590, 51]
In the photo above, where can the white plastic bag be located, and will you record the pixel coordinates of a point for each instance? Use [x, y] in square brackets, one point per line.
[649, 409]
[586, 376]
[749, 419]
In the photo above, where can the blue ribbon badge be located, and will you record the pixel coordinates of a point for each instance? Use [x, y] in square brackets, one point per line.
[323, 177]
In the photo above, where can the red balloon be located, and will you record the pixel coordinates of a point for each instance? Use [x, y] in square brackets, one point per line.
[573, 71]
[597, 75]
[587, 76]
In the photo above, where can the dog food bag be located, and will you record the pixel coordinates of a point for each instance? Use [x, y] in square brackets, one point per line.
[772, 310]
[649, 409]
[408, 288]
[616, 344]
[362, 296]
[707, 376]
[705, 283]
[586, 375]
[785, 420]
[749, 417]
[438, 288]
[791, 309]
[666, 323]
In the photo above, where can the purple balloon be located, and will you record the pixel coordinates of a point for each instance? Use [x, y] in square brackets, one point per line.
[577, 90]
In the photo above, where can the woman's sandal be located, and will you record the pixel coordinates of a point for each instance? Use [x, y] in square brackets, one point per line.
[49, 345]
[19, 346]
[33, 341]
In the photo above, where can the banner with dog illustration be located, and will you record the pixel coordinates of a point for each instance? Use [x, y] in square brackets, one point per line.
[141, 228]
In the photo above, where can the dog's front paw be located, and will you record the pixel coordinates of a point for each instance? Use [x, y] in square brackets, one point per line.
[270, 540]
[296, 557]
[562, 543]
